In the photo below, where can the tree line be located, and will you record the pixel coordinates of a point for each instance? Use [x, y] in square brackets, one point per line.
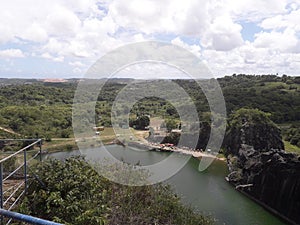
[35, 108]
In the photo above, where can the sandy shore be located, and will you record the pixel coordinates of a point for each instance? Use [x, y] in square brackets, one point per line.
[186, 151]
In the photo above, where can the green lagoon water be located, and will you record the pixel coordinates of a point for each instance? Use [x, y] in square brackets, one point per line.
[206, 191]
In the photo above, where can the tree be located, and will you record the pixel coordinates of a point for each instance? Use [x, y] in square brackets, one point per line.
[140, 123]
[68, 192]
[171, 124]
[252, 127]
[72, 192]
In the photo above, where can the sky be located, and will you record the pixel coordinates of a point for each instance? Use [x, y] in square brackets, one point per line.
[63, 38]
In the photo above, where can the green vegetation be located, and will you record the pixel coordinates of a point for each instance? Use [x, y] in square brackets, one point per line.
[279, 96]
[71, 192]
[38, 121]
[249, 117]
[33, 108]
[171, 124]
[291, 134]
[140, 123]
[37, 109]
[60, 144]
[291, 148]
[252, 127]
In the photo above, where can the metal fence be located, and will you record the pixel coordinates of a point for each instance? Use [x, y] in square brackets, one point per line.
[14, 180]
[25, 218]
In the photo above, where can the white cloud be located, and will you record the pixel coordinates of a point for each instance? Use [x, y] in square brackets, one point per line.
[136, 14]
[11, 53]
[65, 30]
[290, 20]
[248, 59]
[62, 22]
[36, 21]
[91, 39]
[223, 35]
[46, 55]
[76, 64]
[77, 70]
[285, 41]
[151, 70]
[54, 46]
[195, 49]
[210, 21]
[18, 16]
[256, 10]
[36, 33]
[180, 17]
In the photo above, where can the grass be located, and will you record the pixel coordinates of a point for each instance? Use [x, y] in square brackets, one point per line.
[107, 135]
[127, 135]
[67, 144]
[221, 156]
[291, 148]
[60, 144]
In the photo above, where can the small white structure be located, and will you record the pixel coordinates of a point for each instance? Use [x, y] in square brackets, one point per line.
[176, 131]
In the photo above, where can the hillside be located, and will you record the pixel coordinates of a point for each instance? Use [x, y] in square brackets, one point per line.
[37, 108]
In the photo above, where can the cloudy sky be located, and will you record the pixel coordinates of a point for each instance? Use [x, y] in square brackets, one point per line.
[63, 38]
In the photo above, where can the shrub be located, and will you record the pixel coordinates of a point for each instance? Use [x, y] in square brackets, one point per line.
[71, 192]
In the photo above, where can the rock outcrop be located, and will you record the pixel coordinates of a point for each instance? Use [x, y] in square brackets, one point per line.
[254, 128]
[271, 177]
[262, 169]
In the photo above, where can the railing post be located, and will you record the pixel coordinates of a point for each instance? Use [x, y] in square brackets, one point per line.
[25, 170]
[40, 145]
[1, 191]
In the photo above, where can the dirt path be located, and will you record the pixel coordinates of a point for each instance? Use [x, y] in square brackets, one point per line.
[141, 135]
[9, 131]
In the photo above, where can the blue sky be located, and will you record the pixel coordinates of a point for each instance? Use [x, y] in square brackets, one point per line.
[63, 38]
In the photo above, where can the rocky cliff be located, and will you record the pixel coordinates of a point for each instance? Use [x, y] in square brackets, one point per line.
[261, 168]
[254, 128]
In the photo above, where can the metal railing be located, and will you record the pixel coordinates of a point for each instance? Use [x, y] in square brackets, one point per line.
[26, 218]
[13, 184]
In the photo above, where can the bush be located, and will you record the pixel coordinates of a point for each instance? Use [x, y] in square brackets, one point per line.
[68, 193]
[295, 139]
[71, 192]
[140, 123]
[10, 164]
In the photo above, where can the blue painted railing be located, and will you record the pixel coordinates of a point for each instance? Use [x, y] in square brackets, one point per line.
[26, 218]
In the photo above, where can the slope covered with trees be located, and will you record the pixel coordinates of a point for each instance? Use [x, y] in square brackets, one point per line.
[35, 108]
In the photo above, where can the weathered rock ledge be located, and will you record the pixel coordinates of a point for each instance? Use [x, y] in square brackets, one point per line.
[260, 167]
[271, 177]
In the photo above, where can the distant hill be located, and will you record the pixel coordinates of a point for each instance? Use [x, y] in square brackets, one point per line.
[35, 107]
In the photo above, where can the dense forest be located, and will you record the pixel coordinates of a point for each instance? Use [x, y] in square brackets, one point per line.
[34, 108]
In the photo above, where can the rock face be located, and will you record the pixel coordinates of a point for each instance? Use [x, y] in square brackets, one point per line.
[261, 168]
[263, 136]
[271, 177]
